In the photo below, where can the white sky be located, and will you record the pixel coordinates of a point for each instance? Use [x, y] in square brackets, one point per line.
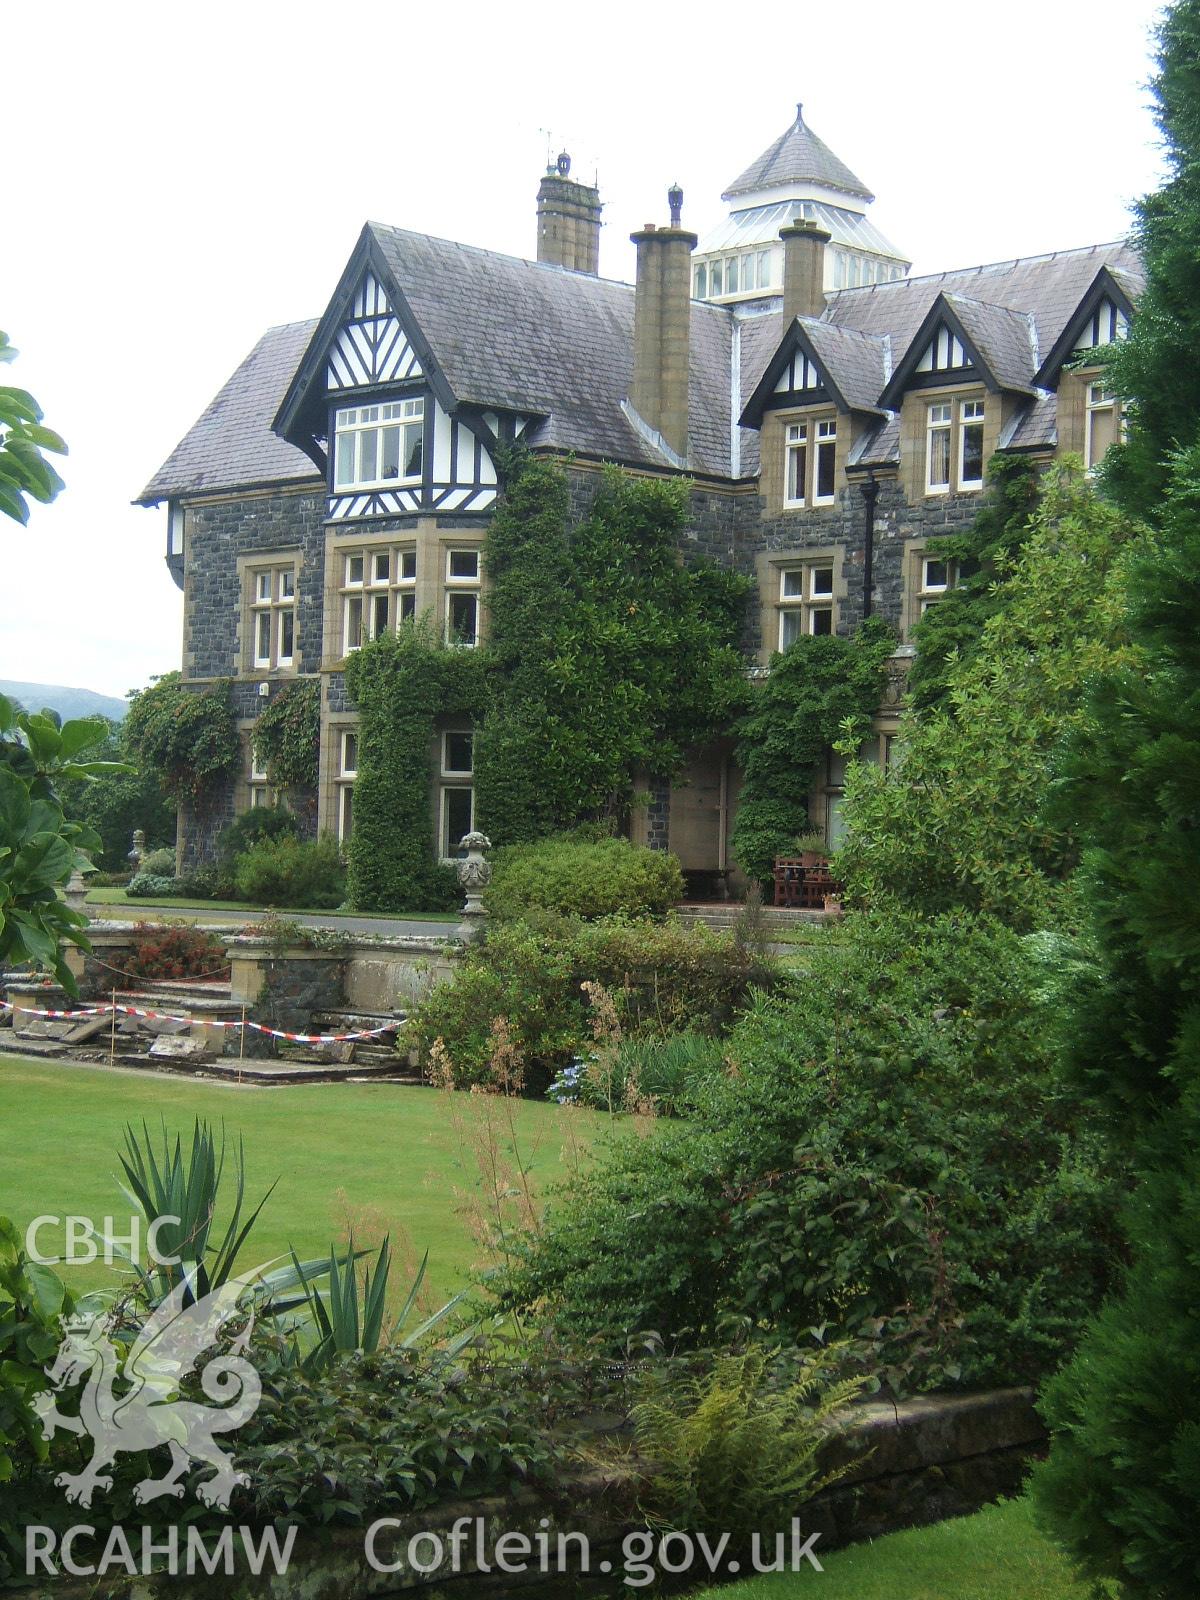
[181, 177]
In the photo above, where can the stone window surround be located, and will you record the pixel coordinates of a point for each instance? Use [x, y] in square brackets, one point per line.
[248, 568]
[914, 420]
[432, 544]
[772, 564]
[251, 789]
[398, 590]
[332, 782]
[773, 456]
[912, 592]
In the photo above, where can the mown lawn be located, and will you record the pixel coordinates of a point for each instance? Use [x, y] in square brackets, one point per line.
[395, 1157]
[998, 1554]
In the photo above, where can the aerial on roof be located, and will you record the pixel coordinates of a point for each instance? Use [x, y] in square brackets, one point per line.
[797, 156]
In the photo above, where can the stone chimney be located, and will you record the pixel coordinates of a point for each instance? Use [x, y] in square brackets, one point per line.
[661, 328]
[568, 220]
[804, 244]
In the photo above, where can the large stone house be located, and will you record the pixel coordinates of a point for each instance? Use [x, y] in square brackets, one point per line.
[832, 413]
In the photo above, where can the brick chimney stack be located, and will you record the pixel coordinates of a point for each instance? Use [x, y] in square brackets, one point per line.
[804, 244]
[661, 328]
[568, 220]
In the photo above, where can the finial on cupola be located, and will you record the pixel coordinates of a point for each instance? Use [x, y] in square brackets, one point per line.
[563, 164]
[675, 201]
[800, 113]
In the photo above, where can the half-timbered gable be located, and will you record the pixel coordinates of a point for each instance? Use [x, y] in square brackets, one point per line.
[1101, 318]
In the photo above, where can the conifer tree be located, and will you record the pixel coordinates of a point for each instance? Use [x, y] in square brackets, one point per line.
[1122, 1485]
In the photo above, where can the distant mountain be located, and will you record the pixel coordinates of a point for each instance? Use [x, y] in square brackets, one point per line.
[67, 702]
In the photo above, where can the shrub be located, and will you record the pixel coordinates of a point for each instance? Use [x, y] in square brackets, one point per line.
[286, 871]
[188, 735]
[209, 882]
[32, 1299]
[175, 950]
[891, 1156]
[261, 822]
[640, 1074]
[663, 979]
[584, 878]
[151, 886]
[159, 863]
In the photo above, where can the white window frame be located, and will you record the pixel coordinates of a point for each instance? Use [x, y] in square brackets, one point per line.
[930, 593]
[813, 438]
[457, 772]
[394, 583]
[939, 419]
[804, 600]
[357, 423]
[1092, 407]
[971, 414]
[273, 602]
[447, 789]
[347, 772]
[460, 586]
[825, 445]
[795, 435]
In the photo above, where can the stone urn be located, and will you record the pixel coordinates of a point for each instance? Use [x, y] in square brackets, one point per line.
[474, 874]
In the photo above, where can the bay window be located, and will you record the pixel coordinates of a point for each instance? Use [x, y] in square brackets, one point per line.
[379, 592]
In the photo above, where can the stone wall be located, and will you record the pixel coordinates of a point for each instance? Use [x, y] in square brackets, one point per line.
[912, 1463]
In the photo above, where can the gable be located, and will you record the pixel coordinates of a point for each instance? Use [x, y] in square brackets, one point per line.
[800, 375]
[945, 352]
[370, 348]
[1106, 325]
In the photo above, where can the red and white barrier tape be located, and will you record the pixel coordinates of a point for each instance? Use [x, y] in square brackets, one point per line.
[197, 1022]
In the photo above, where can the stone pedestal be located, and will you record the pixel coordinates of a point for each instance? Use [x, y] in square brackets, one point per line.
[474, 874]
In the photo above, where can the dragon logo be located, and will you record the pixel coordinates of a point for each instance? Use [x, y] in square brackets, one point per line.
[134, 1403]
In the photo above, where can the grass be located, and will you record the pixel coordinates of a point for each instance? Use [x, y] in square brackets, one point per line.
[997, 1554]
[118, 897]
[391, 1149]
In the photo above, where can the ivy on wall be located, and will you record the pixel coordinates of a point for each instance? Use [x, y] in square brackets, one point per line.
[287, 735]
[611, 658]
[402, 684]
[189, 738]
[604, 658]
[821, 688]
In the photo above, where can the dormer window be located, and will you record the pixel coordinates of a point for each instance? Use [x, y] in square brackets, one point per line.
[379, 444]
[1102, 423]
[970, 445]
[954, 440]
[810, 462]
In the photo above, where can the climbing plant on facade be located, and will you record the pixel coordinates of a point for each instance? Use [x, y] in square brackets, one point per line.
[402, 684]
[821, 688]
[287, 735]
[189, 737]
[611, 658]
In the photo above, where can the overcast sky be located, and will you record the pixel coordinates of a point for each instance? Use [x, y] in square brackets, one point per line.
[181, 177]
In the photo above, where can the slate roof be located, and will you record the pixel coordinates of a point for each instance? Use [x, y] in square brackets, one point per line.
[857, 362]
[529, 336]
[1004, 338]
[535, 338]
[231, 443]
[1047, 287]
[797, 156]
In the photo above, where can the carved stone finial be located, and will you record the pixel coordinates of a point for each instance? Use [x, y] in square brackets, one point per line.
[139, 848]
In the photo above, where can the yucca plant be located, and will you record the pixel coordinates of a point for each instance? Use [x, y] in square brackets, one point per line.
[348, 1316]
[164, 1183]
[737, 1449]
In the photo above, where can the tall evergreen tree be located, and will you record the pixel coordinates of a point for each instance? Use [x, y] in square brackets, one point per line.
[1122, 1484]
